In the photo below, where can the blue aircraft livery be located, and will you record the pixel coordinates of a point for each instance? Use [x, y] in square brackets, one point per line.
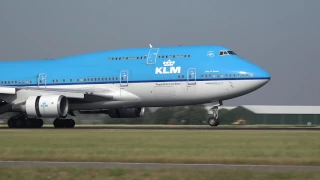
[121, 83]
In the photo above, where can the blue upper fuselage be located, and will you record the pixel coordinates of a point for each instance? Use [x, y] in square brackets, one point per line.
[181, 63]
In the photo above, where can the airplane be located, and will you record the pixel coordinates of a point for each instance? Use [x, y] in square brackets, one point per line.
[123, 82]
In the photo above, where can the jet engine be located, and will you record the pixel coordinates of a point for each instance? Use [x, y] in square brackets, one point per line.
[47, 106]
[126, 112]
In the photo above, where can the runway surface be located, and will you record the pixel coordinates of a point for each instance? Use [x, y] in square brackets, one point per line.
[171, 128]
[156, 165]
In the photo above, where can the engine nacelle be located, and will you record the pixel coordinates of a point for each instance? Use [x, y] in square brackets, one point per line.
[47, 106]
[126, 112]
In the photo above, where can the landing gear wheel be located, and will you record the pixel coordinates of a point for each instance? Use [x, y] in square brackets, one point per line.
[34, 123]
[213, 122]
[20, 122]
[70, 123]
[214, 116]
[11, 123]
[63, 123]
[57, 123]
[39, 123]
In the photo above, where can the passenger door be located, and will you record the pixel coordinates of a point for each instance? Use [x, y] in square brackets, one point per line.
[124, 77]
[152, 55]
[191, 76]
[42, 80]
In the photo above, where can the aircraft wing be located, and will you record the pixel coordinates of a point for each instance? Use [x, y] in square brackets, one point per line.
[68, 92]
[89, 93]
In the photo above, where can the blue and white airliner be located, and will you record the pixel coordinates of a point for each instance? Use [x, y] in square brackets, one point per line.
[121, 83]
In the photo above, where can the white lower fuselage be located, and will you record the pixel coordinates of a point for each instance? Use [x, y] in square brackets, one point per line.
[154, 94]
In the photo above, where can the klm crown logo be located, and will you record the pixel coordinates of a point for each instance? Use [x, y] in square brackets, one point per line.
[44, 104]
[168, 63]
[168, 68]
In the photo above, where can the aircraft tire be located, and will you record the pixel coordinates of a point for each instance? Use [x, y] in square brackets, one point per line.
[213, 122]
[57, 123]
[71, 123]
[39, 123]
[11, 123]
[20, 122]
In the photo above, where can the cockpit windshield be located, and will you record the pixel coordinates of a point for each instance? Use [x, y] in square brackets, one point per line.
[225, 52]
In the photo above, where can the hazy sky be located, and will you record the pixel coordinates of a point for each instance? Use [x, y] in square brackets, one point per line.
[281, 36]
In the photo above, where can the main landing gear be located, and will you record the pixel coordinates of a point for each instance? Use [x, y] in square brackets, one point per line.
[64, 123]
[22, 121]
[214, 115]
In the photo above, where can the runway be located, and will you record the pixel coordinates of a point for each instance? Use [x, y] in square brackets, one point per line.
[156, 165]
[170, 127]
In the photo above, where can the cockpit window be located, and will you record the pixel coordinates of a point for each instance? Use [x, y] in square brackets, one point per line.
[225, 52]
[232, 53]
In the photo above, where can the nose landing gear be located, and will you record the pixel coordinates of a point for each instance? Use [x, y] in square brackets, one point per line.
[214, 115]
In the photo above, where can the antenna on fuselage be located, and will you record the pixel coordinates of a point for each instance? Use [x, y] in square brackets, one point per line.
[150, 45]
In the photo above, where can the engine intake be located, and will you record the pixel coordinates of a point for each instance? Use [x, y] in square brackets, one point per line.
[126, 112]
[47, 106]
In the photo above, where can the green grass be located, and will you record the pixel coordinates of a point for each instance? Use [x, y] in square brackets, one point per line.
[170, 146]
[64, 173]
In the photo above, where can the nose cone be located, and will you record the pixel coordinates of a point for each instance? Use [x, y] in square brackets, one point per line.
[261, 75]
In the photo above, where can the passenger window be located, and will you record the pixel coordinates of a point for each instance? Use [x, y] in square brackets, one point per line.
[178, 76]
[182, 76]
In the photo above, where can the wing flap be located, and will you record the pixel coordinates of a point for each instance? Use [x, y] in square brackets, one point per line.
[7, 90]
